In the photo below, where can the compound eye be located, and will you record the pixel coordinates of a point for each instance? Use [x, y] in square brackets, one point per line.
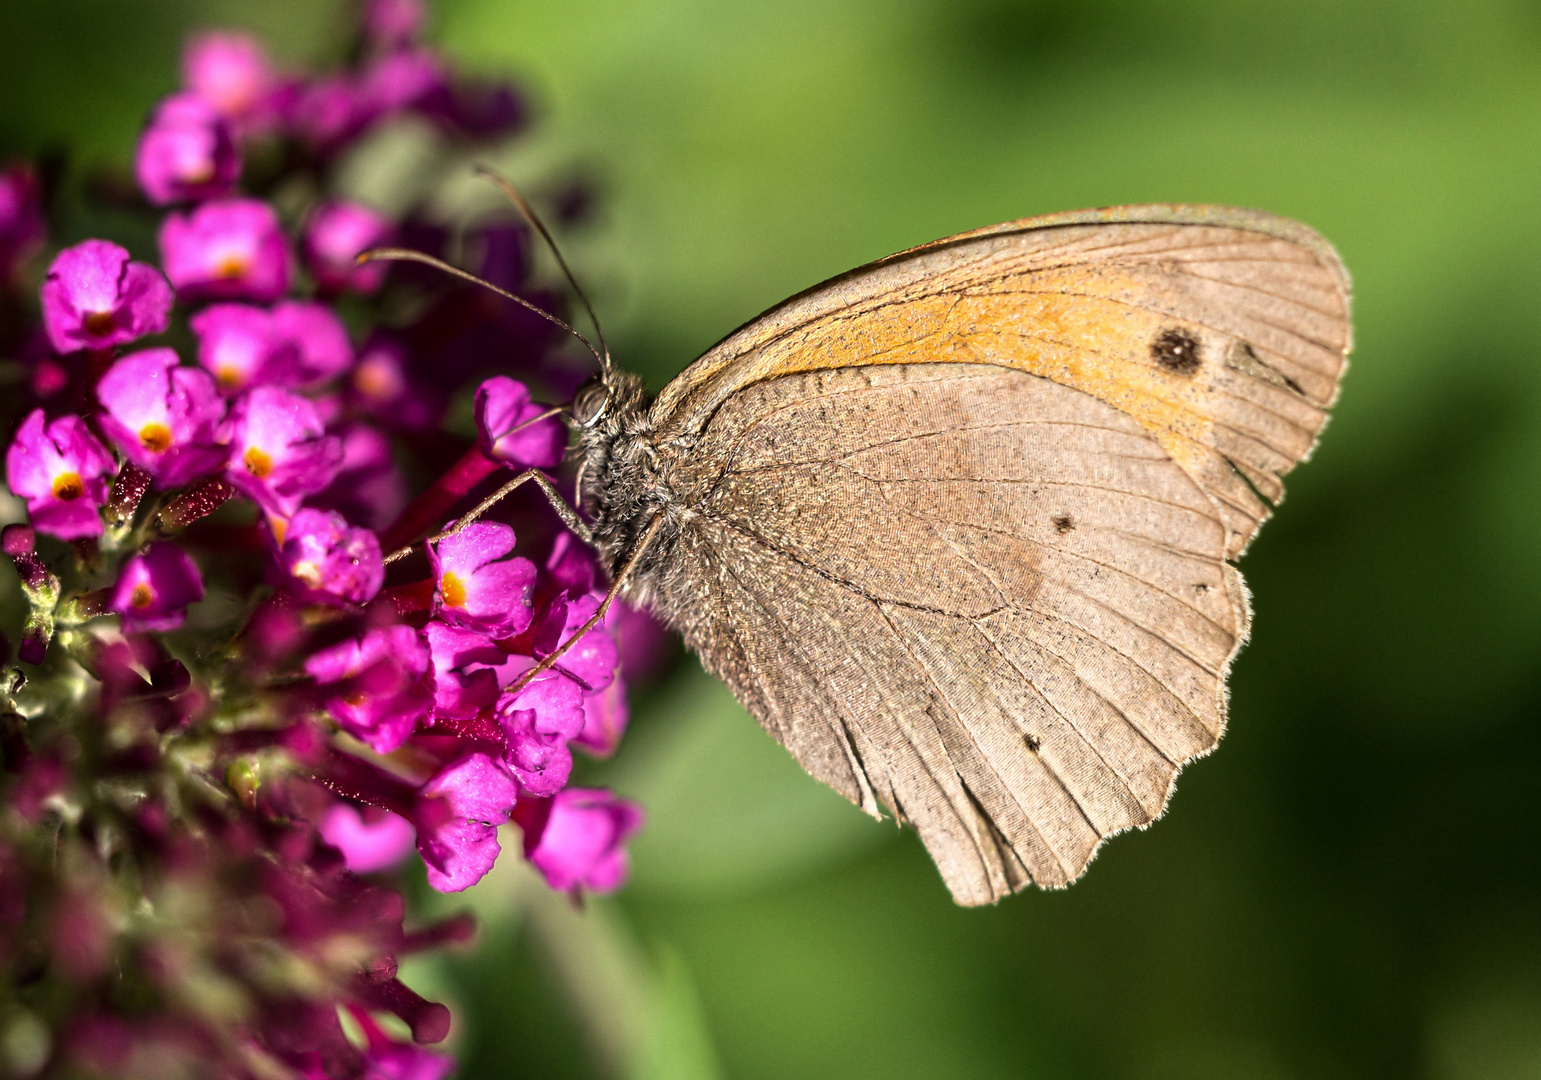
[589, 402]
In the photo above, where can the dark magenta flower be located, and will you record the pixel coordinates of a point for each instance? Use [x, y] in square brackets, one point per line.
[381, 384]
[186, 152]
[393, 22]
[575, 838]
[330, 556]
[502, 405]
[95, 298]
[155, 587]
[401, 79]
[296, 343]
[457, 816]
[334, 236]
[477, 588]
[465, 680]
[476, 108]
[368, 488]
[378, 689]
[163, 416]
[537, 724]
[230, 72]
[21, 219]
[229, 248]
[61, 471]
[278, 449]
[371, 841]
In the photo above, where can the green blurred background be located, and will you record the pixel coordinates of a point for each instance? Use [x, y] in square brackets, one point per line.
[1351, 886]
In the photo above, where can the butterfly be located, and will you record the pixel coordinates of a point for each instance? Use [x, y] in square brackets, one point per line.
[959, 527]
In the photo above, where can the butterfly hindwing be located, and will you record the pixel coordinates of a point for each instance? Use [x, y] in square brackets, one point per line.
[988, 602]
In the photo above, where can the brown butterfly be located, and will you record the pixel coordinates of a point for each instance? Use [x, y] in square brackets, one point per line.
[958, 527]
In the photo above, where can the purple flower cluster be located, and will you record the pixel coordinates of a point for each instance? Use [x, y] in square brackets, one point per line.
[230, 696]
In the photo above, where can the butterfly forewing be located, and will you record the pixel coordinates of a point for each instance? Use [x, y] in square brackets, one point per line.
[956, 526]
[1223, 333]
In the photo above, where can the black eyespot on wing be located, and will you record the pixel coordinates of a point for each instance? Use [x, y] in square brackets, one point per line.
[1063, 524]
[1176, 350]
[1033, 742]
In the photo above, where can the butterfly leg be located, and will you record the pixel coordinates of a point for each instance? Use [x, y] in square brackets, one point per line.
[568, 515]
[595, 619]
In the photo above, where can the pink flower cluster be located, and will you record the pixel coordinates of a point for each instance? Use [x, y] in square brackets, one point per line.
[205, 565]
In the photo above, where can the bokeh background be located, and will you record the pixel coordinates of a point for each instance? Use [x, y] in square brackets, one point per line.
[1351, 886]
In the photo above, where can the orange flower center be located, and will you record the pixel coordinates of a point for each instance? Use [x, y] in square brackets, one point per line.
[99, 322]
[231, 378]
[155, 437]
[453, 590]
[231, 266]
[68, 487]
[375, 380]
[142, 596]
[257, 462]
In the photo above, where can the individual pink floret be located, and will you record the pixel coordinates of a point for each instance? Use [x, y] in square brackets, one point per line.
[296, 343]
[231, 248]
[457, 816]
[155, 587]
[369, 842]
[61, 471]
[95, 298]
[537, 724]
[317, 337]
[477, 588]
[393, 22]
[187, 151]
[278, 449]
[593, 658]
[336, 233]
[329, 111]
[401, 79]
[327, 555]
[575, 838]
[502, 406]
[605, 716]
[377, 685]
[465, 678]
[163, 416]
[230, 72]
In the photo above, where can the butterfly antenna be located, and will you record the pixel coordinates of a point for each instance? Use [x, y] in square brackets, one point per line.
[390, 254]
[545, 234]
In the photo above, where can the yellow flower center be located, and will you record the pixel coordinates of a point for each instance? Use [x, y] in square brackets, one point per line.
[142, 596]
[99, 322]
[68, 487]
[231, 266]
[309, 573]
[155, 437]
[231, 378]
[453, 590]
[257, 462]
